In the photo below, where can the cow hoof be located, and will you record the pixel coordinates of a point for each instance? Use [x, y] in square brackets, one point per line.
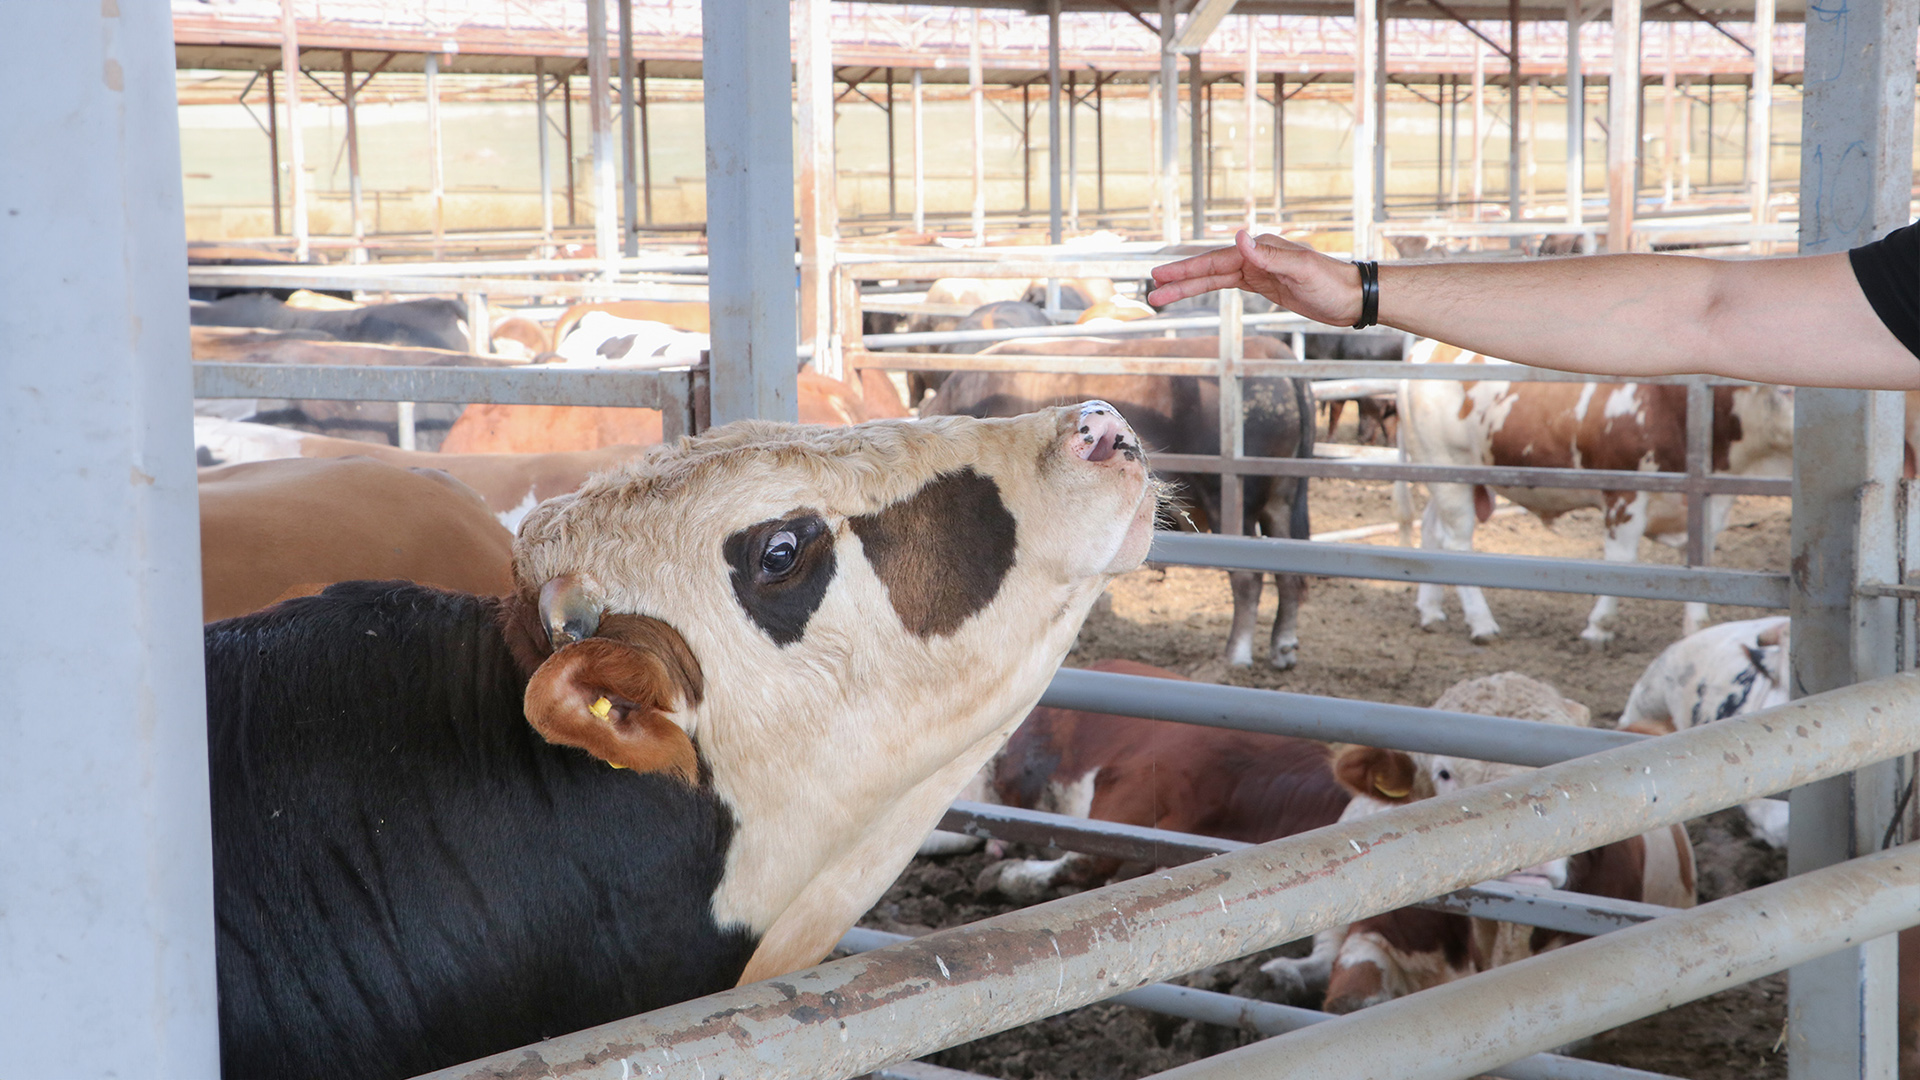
[1433, 625]
[1484, 637]
[1016, 879]
[1284, 659]
[1598, 639]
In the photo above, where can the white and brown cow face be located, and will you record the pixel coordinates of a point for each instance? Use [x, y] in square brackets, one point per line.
[868, 613]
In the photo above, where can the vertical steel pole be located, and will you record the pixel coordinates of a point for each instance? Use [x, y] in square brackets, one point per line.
[1576, 117]
[1760, 115]
[1513, 112]
[566, 139]
[1100, 147]
[1623, 126]
[919, 155]
[1073, 149]
[1856, 167]
[1196, 131]
[1055, 204]
[436, 187]
[1250, 94]
[1709, 129]
[1441, 89]
[1154, 125]
[296, 150]
[1169, 130]
[893, 202]
[108, 961]
[546, 166]
[976, 93]
[1279, 147]
[814, 102]
[1686, 139]
[1026, 151]
[629, 182]
[646, 151]
[606, 208]
[749, 127]
[1378, 135]
[1532, 163]
[273, 149]
[1232, 431]
[1477, 167]
[353, 159]
[1366, 24]
[1666, 121]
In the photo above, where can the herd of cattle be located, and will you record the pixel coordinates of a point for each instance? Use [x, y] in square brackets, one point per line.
[794, 647]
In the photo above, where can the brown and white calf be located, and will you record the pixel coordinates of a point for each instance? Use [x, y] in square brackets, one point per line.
[1625, 426]
[1410, 949]
[1235, 785]
[1727, 670]
[797, 644]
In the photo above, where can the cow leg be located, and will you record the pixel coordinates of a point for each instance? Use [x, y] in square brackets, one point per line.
[1285, 644]
[1626, 525]
[1246, 611]
[1300, 980]
[1448, 526]
[1284, 515]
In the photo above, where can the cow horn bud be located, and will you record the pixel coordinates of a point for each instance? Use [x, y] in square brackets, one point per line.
[567, 612]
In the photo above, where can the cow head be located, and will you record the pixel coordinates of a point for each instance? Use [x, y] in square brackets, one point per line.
[833, 628]
[1761, 442]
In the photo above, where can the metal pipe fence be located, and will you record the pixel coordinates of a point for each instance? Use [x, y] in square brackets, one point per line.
[904, 1001]
[1262, 1018]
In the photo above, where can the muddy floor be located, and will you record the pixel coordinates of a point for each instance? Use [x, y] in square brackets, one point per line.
[1359, 640]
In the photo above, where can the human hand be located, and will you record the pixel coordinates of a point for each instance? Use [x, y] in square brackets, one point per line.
[1292, 275]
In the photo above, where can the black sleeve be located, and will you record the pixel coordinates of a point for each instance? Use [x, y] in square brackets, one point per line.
[1889, 273]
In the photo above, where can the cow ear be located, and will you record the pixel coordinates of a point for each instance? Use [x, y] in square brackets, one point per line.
[1388, 775]
[611, 699]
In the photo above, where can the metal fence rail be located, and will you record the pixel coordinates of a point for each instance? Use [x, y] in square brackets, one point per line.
[1266, 1018]
[673, 391]
[1744, 588]
[1553, 909]
[852, 1015]
[1469, 1026]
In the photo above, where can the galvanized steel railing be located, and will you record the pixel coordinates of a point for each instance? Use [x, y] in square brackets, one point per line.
[849, 1016]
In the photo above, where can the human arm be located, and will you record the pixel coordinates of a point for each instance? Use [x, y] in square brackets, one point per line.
[1802, 321]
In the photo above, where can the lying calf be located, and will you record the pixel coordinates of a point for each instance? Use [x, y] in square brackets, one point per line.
[792, 646]
[1235, 785]
[1410, 949]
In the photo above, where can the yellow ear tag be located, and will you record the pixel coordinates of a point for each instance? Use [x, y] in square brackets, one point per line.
[1389, 792]
[601, 708]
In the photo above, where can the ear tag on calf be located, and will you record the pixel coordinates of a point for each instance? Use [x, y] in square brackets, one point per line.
[602, 709]
[1383, 788]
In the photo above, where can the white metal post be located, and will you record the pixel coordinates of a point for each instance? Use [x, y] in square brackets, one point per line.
[354, 209]
[629, 173]
[1366, 24]
[1169, 130]
[606, 228]
[977, 95]
[1623, 125]
[296, 147]
[813, 102]
[919, 155]
[546, 168]
[749, 127]
[1856, 168]
[1576, 117]
[436, 189]
[106, 860]
[1250, 92]
[1054, 202]
[1760, 114]
[1478, 129]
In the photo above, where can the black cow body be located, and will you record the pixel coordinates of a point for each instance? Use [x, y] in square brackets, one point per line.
[424, 324]
[407, 875]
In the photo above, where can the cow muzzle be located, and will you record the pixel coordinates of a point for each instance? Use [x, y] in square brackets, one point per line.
[1104, 435]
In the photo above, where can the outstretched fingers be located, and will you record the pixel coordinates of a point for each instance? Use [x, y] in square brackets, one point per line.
[1180, 289]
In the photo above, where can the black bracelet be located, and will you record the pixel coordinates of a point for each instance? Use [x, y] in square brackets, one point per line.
[1369, 294]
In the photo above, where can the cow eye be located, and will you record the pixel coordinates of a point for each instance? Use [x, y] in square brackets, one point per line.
[1446, 774]
[783, 549]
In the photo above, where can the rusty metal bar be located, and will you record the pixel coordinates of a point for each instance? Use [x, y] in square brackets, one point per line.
[1225, 1010]
[1573, 913]
[852, 1015]
[1739, 587]
[1469, 1026]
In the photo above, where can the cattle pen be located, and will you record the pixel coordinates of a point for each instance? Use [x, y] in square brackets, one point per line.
[1844, 749]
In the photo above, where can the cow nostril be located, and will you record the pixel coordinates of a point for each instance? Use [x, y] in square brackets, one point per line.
[1104, 447]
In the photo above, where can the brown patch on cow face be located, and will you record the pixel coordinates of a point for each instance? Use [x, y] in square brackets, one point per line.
[610, 695]
[942, 552]
[781, 570]
[1388, 775]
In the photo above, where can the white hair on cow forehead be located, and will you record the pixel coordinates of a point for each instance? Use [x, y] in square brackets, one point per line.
[737, 475]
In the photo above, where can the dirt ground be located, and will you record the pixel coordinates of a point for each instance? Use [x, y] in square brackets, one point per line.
[1359, 640]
